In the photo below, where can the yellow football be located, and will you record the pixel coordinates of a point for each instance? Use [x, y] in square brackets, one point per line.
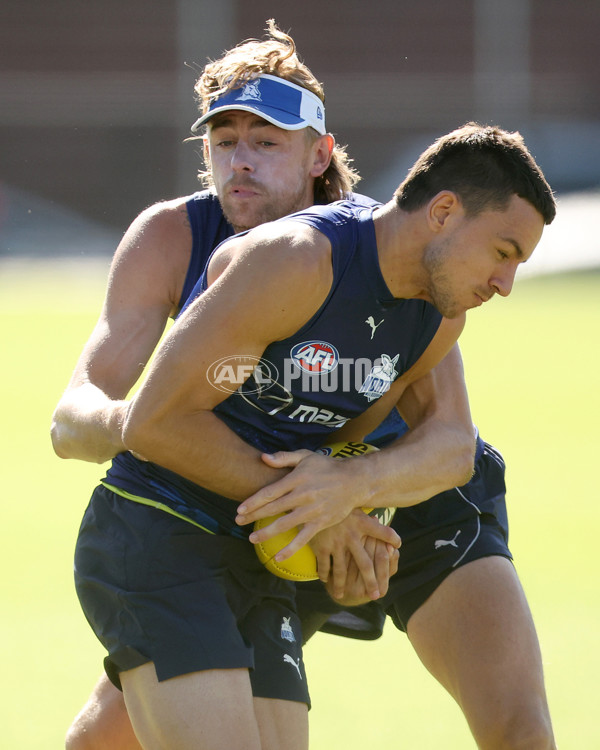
[302, 565]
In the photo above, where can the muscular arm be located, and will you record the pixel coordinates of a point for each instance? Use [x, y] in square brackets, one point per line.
[145, 282]
[248, 305]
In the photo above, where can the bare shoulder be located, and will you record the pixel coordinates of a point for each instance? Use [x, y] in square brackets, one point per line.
[164, 223]
[279, 272]
[155, 252]
[283, 248]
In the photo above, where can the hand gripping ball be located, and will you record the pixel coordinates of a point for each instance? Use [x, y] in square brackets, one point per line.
[302, 565]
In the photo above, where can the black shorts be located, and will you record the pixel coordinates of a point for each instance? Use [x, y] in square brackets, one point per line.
[156, 588]
[438, 536]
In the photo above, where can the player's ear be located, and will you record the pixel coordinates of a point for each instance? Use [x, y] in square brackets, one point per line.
[205, 148]
[441, 207]
[322, 153]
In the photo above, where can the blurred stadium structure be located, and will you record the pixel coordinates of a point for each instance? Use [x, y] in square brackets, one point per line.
[97, 99]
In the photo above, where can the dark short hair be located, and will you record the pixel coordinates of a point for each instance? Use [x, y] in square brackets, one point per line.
[484, 165]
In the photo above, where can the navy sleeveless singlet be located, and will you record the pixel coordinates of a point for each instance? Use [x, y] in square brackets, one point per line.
[331, 370]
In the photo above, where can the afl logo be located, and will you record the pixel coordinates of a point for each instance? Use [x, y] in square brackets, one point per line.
[254, 374]
[315, 356]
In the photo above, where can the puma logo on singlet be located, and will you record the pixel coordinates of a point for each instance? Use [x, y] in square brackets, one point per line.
[371, 322]
[447, 542]
[287, 658]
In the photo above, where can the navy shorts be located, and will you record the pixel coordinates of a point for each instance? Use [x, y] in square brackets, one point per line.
[438, 536]
[156, 588]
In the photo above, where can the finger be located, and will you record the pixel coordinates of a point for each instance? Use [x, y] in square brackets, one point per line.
[373, 549]
[370, 526]
[303, 537]
[394, 562]
[354, 590]
[384, 534]
[354, 582]
[381, 562]
[279, 525]
[276, 498]
[284, 459]
[309, 518]
[271, 508]
[366, 568]
[340, 574]
[266, 495]
[323, 566]
[279, 488]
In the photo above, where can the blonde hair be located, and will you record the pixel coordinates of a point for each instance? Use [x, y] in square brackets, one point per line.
[276, 55]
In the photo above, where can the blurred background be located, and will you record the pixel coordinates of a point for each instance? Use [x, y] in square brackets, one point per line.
[97, 97]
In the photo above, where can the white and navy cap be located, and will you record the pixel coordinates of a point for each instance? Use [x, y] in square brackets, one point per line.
[278, 101]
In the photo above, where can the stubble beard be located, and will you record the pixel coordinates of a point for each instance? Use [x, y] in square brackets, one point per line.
[439, 287]
[269, 208]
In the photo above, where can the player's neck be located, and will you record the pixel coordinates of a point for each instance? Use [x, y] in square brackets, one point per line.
[400, 243]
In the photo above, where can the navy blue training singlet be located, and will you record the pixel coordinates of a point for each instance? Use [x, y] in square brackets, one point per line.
[344, 358]
[362, 336]
[209, 228]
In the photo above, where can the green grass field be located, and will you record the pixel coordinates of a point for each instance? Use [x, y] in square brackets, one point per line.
[532, 367]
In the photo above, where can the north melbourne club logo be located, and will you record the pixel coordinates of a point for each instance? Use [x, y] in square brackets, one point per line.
[250, 91]
[286, 630]
[381, 377]
[315, 356]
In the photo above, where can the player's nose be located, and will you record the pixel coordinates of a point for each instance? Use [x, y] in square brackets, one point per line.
[241, 158]
[502, 282]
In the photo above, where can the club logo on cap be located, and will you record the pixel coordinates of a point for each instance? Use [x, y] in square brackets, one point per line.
[250, 91]
[278, 101]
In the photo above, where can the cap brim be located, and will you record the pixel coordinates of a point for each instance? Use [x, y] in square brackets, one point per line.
[276, 100]
[283, 120]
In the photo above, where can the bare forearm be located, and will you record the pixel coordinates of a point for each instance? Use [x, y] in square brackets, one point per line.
[431, 458]
[87, 425]
[201, 448]
[438, 451]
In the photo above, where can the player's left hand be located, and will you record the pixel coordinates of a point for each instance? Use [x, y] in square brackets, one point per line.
[319, 492]
[357, 588]
[353, 559]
